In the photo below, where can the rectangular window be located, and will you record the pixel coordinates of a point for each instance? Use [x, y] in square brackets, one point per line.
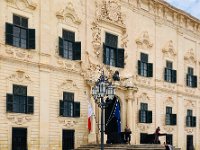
[169, 139]
[191, 80]
[145, 116]
[18, 34]
[170, 74]
[190, 119]
[170, 118]
[112, 55]
[69, 108]
[19, 139]
[19, 102]
[144, 68]
[68, 48]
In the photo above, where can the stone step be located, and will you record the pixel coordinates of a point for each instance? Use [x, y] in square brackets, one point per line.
[123, 147]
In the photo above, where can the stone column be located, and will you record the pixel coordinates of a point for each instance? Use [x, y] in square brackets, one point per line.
[130, 113]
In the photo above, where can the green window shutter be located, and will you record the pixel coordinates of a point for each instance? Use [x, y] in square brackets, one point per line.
[77, 51]
[194, 81]
[61, 53]
[140, 115]
[31, 39]
[167, 119]
[193, 121]
[173, 119]
[61, 107]
[188, 121]
[187, 79]
[104, 53]
[139, 67]
[30, 105]
[149, 70]
[76, 109]
[120, 57]
[149, 116]
[9, 102]
[165, 74]
[9, 34]
[173, 76]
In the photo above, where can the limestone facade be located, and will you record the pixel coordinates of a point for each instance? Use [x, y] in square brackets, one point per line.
[151, 27]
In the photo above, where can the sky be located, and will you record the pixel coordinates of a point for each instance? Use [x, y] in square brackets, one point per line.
[190, 6]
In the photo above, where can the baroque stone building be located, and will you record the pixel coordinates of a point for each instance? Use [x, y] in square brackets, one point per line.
[52, 52]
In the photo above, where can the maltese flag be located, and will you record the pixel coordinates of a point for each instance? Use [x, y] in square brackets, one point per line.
[90, 112]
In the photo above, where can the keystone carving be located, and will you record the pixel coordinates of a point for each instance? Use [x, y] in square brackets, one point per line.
[19, 120]
[144, 41]
[190, 56]
[22, 4]
[67, 123]
[169, 50]
[20, 76]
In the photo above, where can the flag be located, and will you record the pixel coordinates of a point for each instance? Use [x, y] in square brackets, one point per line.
[117, 116]
[90, 112]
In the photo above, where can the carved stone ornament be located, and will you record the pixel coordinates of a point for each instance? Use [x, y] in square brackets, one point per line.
[169, 129]
[19, 53]
[19, 119]
[143, 41]
[169, 101]
[68, 12]
[169, 85]
[190, 56]
[23, 4]
[110, 11]
[143, 80]
[68, 64]
[169, 50]
[67, 85]
[96, 34]
[143, 127]
[67, 123]
[143, 97]
[189, 130]
[189, 104]
[20, 76]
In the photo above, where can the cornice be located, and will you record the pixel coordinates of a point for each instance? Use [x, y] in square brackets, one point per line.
[164, 13]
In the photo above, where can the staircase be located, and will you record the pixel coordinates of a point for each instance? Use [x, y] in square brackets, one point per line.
[123, 147]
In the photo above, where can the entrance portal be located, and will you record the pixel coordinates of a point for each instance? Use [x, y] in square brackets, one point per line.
[113, 122]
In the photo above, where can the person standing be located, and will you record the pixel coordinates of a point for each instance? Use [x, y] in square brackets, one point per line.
[128, 134]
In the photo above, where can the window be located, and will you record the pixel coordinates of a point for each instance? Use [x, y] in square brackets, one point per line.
[169, 139]
[19, 35]
[112, 55]
[68, 139]
[190, 145]
[68, 48]
[19, 102]
[19, 139]
[69, 108]
[191, 80]
[145, 116]
[190, 120]
[170, 74]
[144, 68]
[170, 118]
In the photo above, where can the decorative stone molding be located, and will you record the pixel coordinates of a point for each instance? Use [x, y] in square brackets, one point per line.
[143, 80]
[169, 86]
[143, 127]
[68, 12]
[96, 34]
[110, 11]
[189, 104]
[67, 123]
[144, 98]
[19, 119]
[190, 57]
[22, 4]
[190, 90]
[169, 50]
[169, 101]
[143, 41]
[69, 65]
[169, 129]
[20, 77]
[19, 53]
[189, 130]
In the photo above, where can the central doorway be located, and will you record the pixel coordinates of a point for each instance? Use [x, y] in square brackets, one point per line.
[113, 122]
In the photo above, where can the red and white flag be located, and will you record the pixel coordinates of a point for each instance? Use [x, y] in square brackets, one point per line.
[90, 112]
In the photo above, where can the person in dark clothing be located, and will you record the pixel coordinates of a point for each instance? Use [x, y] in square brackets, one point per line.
[128, 134]
[157, 133]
